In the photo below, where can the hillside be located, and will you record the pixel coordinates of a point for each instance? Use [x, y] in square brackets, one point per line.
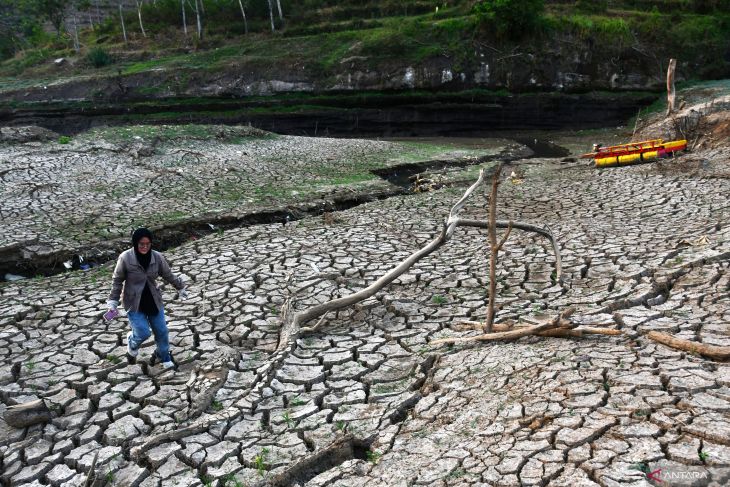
[322, 46]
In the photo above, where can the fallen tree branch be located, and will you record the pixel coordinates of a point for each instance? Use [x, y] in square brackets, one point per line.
[527, 227]
[571, 332]
[714, 352]
[560, 322]
[292, 327]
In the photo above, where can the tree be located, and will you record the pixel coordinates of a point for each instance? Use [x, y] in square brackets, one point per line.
[271, 16]
[198, 18]
[281, 15]
[124, 29]
[243, 14]
[184, 20]
[85, 6]
[139, 15]
[52, 10]
[510, 18]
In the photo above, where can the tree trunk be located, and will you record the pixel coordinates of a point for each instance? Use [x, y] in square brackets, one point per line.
[124, 29]
[281, 15]
[139, 15]
[243, 14]
[77, 48]
[185, 22]
[271, 16]
[671, 95]
[198, 20]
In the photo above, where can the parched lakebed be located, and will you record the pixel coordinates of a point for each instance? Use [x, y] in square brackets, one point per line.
[367, 399]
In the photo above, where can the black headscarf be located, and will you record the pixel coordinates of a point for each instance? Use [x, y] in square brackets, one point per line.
[137, 235]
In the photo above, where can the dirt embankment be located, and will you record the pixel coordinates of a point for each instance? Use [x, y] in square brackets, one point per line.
[703, 119]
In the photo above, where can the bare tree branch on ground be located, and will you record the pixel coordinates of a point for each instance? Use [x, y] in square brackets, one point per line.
[292, 324]
[714, 352]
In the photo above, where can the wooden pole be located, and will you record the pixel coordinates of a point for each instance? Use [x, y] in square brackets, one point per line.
[493, 250]
[671, 95]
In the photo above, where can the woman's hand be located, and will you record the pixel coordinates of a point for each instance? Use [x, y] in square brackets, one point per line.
[182, 294]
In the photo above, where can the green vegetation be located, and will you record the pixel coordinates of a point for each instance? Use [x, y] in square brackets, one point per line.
[510, 18]
[297, 402]
[319, 37]
[438, 299]
[259, 461]
[288, 419]
[230, 480]
[113, 359]
[373, 456]
[98, 57]
[64, 139]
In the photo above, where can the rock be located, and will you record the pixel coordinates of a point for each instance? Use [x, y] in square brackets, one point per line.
[19, 135]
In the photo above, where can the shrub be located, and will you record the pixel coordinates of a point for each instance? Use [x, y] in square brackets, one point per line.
[98, 57]
[510, 18]
[592, 6]
[64, 139]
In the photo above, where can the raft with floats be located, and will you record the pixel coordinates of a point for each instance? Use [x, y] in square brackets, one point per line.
[634, 152]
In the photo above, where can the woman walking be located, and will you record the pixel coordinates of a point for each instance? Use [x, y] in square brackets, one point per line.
[134, 279]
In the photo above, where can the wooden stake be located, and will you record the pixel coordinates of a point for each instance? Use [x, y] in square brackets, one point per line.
[671, 95]
[493, 250]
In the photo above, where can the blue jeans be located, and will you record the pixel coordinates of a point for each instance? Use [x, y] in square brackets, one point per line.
[142, 324]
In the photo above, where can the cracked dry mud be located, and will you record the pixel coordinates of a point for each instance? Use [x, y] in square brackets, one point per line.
[86, 196]
[642, 250]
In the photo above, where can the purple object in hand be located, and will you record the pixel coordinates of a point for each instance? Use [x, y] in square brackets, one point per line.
[111, 314]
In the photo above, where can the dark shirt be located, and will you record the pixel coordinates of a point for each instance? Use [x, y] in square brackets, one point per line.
[147, 302]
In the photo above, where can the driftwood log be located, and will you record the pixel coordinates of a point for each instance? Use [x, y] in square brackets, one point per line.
[292, 323]
[714, 352]
[27, 414]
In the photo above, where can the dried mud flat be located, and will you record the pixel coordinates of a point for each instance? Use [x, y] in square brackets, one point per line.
[367, 400]
[84, 197]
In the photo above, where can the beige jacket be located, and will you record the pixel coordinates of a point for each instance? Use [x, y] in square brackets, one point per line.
[130, 277]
